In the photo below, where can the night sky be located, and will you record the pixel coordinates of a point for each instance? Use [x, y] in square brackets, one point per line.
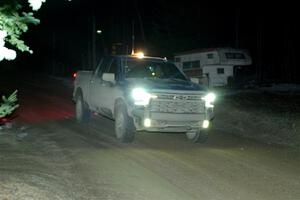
[163, 28]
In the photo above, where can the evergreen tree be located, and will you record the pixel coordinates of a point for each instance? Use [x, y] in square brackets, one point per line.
[14, 22]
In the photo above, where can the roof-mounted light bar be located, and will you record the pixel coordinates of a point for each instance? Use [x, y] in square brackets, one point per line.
[139, 55]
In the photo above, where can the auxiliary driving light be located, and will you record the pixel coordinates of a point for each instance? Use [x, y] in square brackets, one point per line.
[147, 122]
[139, 55]
[205, 124]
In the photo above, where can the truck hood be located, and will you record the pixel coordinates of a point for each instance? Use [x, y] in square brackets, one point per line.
[164, 84]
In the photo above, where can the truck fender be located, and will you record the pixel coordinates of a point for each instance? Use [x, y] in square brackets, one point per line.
[119, 101]
[78, 92]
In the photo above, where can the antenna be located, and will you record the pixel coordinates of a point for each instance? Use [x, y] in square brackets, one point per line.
[132, 50]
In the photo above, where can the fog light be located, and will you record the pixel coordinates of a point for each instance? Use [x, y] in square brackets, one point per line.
[205, 124]
[147, 122]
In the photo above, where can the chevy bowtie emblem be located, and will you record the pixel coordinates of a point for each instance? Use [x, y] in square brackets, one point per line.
[181, 97]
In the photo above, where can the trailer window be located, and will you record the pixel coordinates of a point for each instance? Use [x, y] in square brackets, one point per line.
[191, 64]
[196, 64]
[210, 56]
[186, 65]
[235, 55]
[177, 60]
[220, 70]
[239, 56]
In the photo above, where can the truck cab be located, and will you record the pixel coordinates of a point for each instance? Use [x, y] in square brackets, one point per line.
[144, 94]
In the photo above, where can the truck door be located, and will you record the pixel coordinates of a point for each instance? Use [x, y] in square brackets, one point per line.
[110, 90]
[96, 86]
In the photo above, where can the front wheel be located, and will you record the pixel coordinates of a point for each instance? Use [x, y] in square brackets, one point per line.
[199, 136]
[124, 125]
[82, 111]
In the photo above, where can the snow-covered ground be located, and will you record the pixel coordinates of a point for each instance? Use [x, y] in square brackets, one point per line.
[282, 88]
[268, 114]
[53, 157]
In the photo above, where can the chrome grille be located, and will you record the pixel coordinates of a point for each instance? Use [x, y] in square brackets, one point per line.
[178, 97]
[177, 103]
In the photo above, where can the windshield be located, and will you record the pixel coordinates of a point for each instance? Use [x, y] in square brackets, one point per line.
[142, 68]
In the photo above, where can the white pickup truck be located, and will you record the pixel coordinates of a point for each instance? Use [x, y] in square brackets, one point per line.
[144, 94]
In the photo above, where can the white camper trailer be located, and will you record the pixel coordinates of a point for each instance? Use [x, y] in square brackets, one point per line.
[217, 64]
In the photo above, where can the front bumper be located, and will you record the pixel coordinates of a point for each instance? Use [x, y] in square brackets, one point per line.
[168, 122]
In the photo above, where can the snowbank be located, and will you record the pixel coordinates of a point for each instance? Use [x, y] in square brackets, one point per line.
[282, 89]
[268, 117]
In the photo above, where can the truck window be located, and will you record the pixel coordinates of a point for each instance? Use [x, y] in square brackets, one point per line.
[104, 66]
[114, 68]
[98, 66]
[151, 69]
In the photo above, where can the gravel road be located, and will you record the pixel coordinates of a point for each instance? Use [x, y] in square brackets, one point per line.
[47, 155]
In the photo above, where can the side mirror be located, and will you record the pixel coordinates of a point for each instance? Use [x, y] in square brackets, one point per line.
[195, 80]
[110, 77]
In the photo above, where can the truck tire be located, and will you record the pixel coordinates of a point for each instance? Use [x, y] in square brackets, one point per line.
[199, 136]
[83, 113]
[124, 125]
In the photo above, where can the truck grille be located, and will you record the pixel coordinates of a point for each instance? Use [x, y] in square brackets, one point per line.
[177, 103]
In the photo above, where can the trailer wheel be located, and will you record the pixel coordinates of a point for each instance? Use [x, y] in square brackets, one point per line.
[83, 113]
[124, 125]
[199, 136]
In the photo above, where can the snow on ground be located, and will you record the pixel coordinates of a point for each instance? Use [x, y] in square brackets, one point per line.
[271, 115]
[267, 113]
[32, 166]
[35, 166]
[282, 88]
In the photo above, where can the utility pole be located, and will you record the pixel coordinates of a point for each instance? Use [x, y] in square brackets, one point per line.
[140, 21]
[237, 27]
[259, 51]
[53, 52]
[133, 38]
[287, 53]
[89, 45]
[93, 38]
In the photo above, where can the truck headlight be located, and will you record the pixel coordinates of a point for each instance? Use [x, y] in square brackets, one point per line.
[209, 100]
[141, 97]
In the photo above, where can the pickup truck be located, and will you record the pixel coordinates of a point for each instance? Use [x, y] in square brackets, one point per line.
[144, 94]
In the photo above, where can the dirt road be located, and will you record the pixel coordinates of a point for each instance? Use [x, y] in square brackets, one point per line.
[50, 156]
